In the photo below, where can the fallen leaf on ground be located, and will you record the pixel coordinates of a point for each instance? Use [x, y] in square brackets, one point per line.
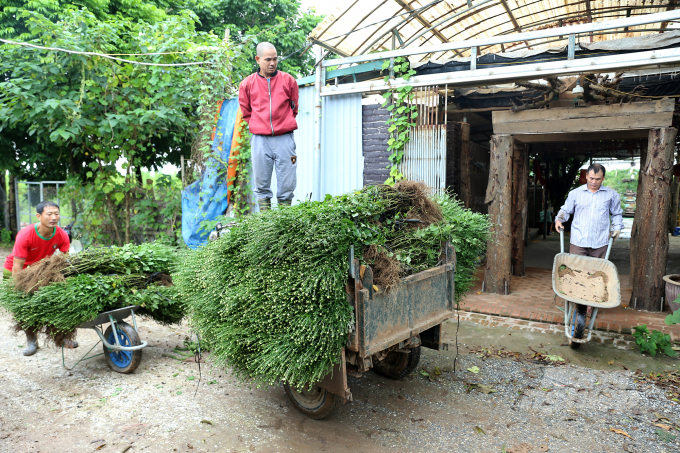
[100, 447]
[486, 389]
[437, 370]
[611, 362]
[521, 448]
[479, 430]
[473, 369]
[424, 373]
[661, 425]
[664, 436]
[620, 431]
[208, 422]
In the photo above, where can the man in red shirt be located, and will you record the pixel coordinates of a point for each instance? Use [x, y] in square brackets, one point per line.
[269, 104]
[34, 243]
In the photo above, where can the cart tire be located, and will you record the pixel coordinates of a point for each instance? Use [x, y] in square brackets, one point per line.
[123, 361]
[397, 365]
[579, 326]
[315, 404]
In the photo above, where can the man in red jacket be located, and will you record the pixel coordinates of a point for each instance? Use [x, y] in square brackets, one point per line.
[32, 244]
[269, 103]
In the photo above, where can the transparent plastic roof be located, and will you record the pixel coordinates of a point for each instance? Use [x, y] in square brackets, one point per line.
[365, 26]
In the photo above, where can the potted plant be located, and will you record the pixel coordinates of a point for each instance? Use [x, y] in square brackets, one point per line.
[672, 290]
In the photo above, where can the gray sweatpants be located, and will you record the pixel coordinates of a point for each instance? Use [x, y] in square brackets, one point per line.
[268, 152]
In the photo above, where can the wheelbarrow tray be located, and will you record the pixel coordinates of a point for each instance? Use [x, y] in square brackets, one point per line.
[118, 314]
[586, 280]
[411, 312]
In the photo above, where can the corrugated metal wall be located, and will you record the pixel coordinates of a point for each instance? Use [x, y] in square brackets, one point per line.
[425, 156]
[425, 153]
[342, 162]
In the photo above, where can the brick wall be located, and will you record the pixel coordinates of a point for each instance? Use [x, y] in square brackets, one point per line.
[374, 144]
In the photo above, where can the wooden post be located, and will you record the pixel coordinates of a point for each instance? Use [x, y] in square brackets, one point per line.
[520, 186]
[4, 207]
[12, 201]
[675, 197]
[465, 182]
[650, 228]
[499, 199]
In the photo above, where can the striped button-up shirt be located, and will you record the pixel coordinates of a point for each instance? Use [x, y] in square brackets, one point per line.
[591, 211]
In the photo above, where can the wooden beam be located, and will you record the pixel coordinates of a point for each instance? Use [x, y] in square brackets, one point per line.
[425, 23]
[589, 14]
[518, 29]
[499, 199]
[650, 227]
[520, 205]
[636, 115]
[671, 6]
[465, 179]
[582, 136]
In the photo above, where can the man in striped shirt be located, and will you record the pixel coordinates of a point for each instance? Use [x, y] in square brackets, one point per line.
[591, 205]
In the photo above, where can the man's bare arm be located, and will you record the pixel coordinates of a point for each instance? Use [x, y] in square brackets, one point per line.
[18, 264]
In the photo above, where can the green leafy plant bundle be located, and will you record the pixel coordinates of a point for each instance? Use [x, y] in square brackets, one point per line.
[99, 280]
[269, 297]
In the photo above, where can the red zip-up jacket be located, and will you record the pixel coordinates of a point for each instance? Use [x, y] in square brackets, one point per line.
[269, 106]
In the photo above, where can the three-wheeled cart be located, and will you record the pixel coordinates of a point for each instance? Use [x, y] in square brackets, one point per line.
[390, 328]
[122, 345]
[584, 281]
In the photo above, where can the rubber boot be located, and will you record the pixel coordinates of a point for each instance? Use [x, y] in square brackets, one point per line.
[32, 343]
[285, 203]
[265, 204]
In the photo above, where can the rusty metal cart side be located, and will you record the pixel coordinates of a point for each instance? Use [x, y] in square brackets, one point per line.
[389, 330]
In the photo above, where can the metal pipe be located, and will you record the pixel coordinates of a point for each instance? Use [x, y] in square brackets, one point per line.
[529, 71]
[644, 19]
[317, 128]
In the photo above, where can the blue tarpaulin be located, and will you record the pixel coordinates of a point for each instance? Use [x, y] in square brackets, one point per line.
[206, 198]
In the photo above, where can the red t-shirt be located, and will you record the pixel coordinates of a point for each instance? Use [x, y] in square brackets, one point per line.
[33, 247]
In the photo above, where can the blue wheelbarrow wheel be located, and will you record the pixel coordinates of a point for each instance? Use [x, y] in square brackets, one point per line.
[123, 361]
[578, 325]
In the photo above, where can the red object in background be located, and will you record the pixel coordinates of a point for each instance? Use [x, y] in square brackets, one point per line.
[676, 170]
[537, 172]
[583, 177]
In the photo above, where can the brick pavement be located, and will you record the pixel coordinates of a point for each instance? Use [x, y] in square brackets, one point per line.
[533, 299]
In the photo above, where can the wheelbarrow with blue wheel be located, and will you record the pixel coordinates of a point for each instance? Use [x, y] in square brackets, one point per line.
[121, 342]
[584, 281]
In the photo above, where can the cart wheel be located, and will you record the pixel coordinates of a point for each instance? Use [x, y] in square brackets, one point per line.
[578, 325]
[123, 361]
[316, 403]
[398, 365]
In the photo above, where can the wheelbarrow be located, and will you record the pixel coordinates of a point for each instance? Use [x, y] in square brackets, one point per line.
[121, 342]
[389, 331]
[584, 281]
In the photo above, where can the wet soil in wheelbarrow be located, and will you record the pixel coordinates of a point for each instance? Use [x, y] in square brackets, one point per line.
[585, 285]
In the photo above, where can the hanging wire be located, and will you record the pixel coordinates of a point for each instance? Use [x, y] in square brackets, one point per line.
[103, 55]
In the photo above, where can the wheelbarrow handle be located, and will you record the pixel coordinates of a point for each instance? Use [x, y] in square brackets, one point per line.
[609, 246]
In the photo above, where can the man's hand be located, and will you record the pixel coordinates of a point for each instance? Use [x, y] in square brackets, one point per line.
[558, 226]
[615, 234]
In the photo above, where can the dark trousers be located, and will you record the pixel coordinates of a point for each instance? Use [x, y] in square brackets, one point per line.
[599, 252]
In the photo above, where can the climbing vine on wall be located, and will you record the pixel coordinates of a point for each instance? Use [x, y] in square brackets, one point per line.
[239, 183]
[399, 101]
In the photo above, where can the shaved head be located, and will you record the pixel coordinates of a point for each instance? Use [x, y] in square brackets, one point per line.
[264, 46]
[267, 59]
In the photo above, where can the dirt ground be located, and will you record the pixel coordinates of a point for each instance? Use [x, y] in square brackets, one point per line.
[531, 407]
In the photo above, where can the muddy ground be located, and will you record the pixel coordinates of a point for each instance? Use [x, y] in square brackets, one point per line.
[530, 406]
